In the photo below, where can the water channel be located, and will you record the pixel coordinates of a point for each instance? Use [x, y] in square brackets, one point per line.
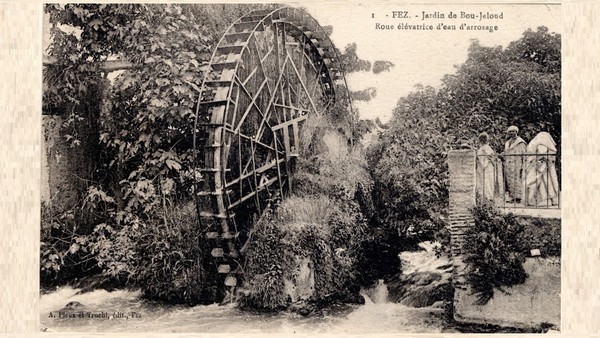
[113, 312]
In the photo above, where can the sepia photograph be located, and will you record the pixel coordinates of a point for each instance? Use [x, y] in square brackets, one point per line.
[301, 168]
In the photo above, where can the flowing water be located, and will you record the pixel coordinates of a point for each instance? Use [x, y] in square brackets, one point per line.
[102, 311]
[127, 311]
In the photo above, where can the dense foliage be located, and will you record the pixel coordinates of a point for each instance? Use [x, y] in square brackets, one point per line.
[495, 253]
[542, 234]
[328, 232]
[132, 218]
[143, 167]
[492, 90]
[265, 265]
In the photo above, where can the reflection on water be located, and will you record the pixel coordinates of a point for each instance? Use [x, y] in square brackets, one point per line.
[112, 312]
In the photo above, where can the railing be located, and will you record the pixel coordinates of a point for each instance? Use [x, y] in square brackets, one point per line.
[519, 181]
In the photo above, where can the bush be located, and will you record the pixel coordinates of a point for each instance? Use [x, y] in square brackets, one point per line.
[162, 255]
[64, 245]
[325, 230]
[542, 234]
[169, 260]
[264, 286]
[340, 174]
[494, 254]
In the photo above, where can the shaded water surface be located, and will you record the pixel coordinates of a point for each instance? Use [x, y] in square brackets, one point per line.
[102, 311]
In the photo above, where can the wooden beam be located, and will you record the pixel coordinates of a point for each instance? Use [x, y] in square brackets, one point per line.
[106, 66]
[252, 103]
[304, 87]
[253, 193]
[277, 161]
[259, 170]
[290, 107]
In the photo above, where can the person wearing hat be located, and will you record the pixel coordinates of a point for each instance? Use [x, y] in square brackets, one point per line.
[514, 150]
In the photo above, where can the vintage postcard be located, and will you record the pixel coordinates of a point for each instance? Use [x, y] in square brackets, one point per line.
[336, 168]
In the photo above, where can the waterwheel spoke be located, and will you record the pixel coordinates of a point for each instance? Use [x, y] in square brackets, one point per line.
[304, 87]
[261, 59]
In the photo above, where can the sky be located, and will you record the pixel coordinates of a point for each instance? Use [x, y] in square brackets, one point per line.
[420, 57]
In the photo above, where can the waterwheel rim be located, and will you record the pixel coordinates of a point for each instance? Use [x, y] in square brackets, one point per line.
[269, 71]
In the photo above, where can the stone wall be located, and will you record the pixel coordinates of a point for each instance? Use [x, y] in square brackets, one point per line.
[461, 195]
[69, 169]
[531, 304]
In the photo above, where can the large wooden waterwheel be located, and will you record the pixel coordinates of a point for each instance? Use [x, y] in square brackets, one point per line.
[269, 71]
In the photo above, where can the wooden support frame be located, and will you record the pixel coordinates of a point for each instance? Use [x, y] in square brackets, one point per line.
[274, 86]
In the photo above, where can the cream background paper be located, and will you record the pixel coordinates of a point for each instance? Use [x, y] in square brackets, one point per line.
[20, 137]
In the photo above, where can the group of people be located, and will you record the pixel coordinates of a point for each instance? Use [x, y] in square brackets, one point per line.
[523, 173]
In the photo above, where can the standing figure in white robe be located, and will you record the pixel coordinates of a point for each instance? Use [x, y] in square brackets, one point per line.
[485, 168]
[514, 151]
[541, 181]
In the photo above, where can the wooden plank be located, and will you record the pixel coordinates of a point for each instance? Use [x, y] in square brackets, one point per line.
[275, 140]
[223, 65]
[230, 281]
[246, 137]
[296, 131]
[290, 107]
[262, 169]
[222, 93]
[245, 26]
[209, 193]
[234, 48]
[253, 157]
[228, 235]
[227, 75]
[253, 193]
[218, 83]
[212, 235]
[240, 162]
[213, 170]
[213, 103]
[249, 77]
[209, 214]
[217, 252]
[237, 37]
[224, 268]
[286, 143]
[289, 123]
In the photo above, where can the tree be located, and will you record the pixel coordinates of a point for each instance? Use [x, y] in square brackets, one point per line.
[144, 166]
[493, 89]
[408, 165]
